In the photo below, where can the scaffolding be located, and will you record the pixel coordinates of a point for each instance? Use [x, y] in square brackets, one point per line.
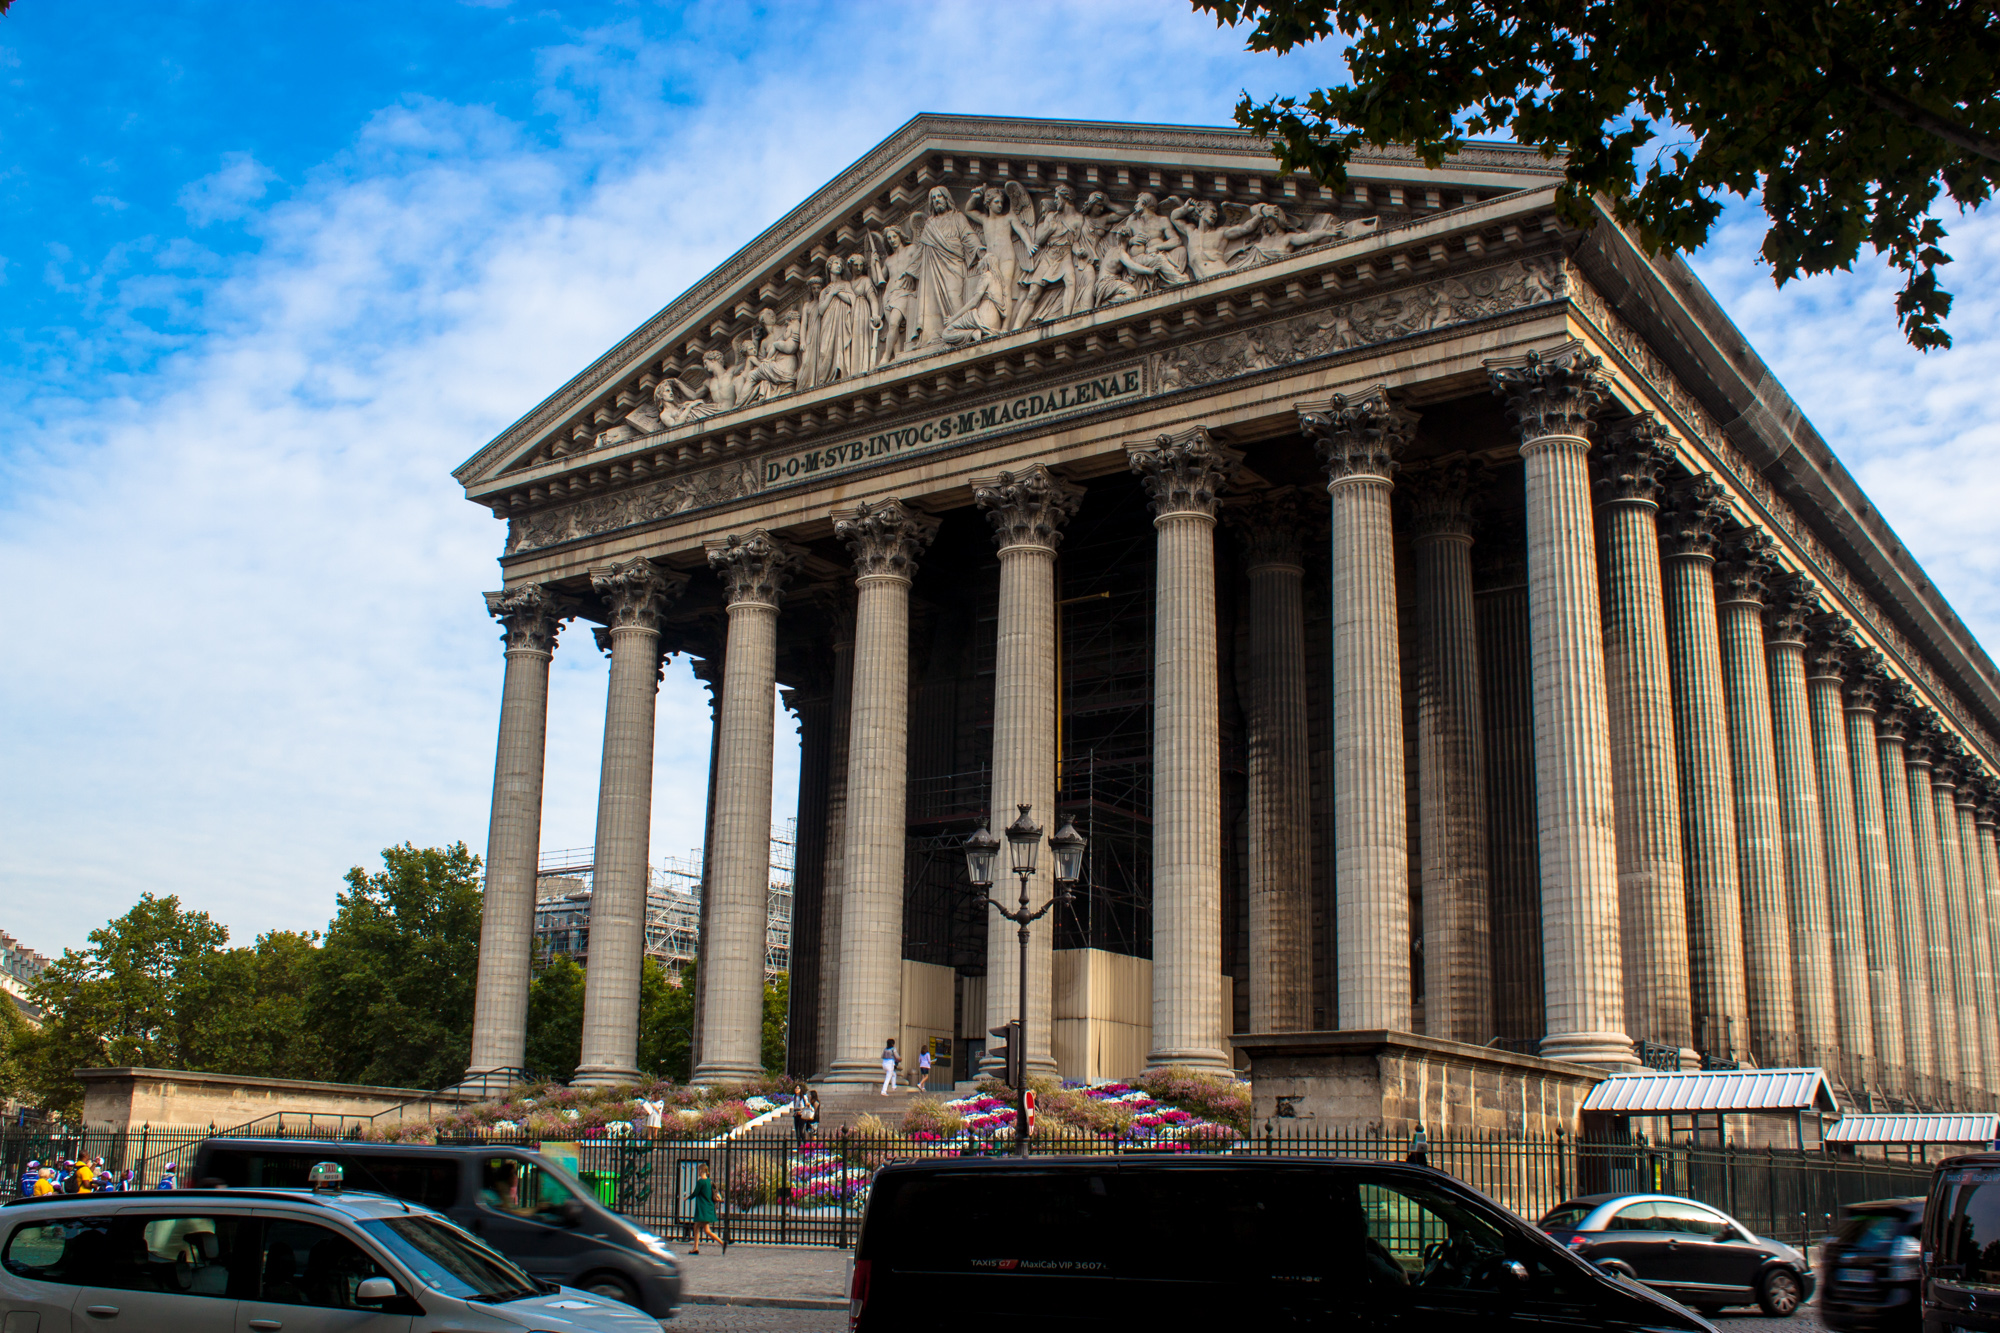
[673, 906]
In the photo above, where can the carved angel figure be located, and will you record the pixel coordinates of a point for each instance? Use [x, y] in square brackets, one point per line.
[1154, 249]
[1212, 243]
[1273, 236]
[946, 249]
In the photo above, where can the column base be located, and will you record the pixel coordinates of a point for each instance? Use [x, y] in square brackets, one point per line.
[1602, 1049]
[856, 1074]
[717, 1071]
[1206, 1061]
[605, 1076]
[494, 1082]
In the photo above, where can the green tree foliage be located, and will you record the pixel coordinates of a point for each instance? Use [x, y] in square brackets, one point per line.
[555, 1020]
[1848, 116]
[257, 1020]
[393, 989]
[777, 1009]
[666, 1022]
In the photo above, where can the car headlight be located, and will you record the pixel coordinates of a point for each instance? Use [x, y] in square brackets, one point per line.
[655, 1244]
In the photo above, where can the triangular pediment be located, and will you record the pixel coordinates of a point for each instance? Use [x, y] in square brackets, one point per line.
[959, 230]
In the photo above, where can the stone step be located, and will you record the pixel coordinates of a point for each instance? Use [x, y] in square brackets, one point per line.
[842, 1104]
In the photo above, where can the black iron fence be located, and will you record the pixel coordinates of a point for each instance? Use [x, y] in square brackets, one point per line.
[775, 1191]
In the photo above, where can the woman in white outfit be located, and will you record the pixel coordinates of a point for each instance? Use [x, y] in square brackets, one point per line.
[889, 1068]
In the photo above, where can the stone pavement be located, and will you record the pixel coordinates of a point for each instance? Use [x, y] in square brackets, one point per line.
[765, 1275]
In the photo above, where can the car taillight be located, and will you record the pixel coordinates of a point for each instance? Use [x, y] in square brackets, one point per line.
[857, 1293]
[1575, 1242]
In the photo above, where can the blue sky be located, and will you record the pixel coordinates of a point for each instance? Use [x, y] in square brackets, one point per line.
[267, 272]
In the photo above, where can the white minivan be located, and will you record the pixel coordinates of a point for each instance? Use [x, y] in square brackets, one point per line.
[271, 1261]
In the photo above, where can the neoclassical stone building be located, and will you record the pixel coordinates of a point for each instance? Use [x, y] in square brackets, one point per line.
[1436, 617]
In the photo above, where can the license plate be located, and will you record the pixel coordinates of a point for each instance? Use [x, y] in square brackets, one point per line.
[1852, 1275]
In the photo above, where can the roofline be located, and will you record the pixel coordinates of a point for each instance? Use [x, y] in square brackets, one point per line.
[1049, 137]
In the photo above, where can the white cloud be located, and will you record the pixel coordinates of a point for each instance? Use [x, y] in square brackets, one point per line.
[228, 193]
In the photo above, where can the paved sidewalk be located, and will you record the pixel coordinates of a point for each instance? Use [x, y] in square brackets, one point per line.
[779, 1276]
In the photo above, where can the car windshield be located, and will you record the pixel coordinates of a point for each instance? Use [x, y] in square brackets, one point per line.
[1968, 1227]
[448, 1260]
[1567, 1217]
[1870, 1230]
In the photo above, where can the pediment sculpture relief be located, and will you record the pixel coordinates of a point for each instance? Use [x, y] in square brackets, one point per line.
[960, 270]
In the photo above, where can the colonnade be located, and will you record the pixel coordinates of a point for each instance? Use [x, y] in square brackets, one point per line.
[1754, 844]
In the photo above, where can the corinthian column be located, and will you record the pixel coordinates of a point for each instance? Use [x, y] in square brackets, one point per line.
[1855, 980]
[1986, 818]
[1947, 757]
[1182, 475]
[1358, 439]
[1551, 400]
[754, 567]
[1985, 1018]
[1688, 529]
[886, 539]
[1834, 651]
[531, 616]
[635, 592]
[836, 833]
[1943, 994]
[1028, 510]
[1458, 938]
[1829, 981]
[1280, 833]
[1907, 885]
[1652, 880]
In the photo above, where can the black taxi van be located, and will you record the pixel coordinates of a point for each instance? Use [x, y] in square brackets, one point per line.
[1293, 1242]
[1961, 1246]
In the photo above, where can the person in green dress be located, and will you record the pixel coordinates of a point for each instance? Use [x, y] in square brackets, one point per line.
[703, 1195]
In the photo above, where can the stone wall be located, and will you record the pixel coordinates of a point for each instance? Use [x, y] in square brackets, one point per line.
[126, 1098]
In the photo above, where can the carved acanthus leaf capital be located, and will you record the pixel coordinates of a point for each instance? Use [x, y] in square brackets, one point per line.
[1270, 528]
[1789, 609]
[1551, 394]
[1633, 462]
[1920, 744]
[530, 616]
[1832, 650]
[886, 538]
[1747, 566]
[1948, 757]
[1184, 473]
[1691, 523]
[1358, 436]
[1986, 812]
[1027, 508]
[1898, 715]
[754, 567]
[636, 592]
[1439, 498]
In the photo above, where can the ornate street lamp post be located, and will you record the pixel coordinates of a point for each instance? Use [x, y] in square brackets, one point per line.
[1024, 840]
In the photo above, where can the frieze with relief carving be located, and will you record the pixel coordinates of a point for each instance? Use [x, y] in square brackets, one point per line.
[641, 504]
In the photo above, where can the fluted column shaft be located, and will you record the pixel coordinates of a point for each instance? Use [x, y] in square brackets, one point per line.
[513, 833]
[1985, 1016]
[1551, 402]
[1708, 803]
[636, 591]
[1957, 917]
[1652, 880]
[1989, 878]
[1458, 935]
[1853, 992]
[1943, 993]
[1279, 855]
[836, 839]
[886, 539]
[754, 568]
[1359, 440]
[1907, 885]
[1182, 475]
[1027, 511]
[1821, 991]
[1878, 896]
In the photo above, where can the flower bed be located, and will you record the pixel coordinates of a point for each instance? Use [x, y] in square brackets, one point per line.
[551, 1111]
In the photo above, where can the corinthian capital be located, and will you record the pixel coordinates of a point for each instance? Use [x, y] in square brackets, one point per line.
[1552, 394]
[1748, 563]
[1692, 521]
[1027, 508]
[885, 538]
[1358, 436]
[1633, 462]
[637, 592]
[530, 617]
[1833, 651]
[754, 566]
[1920, 745]
[1270, 528]
[1898, 715]
[1439, 498]
[1789, 610]
[1948, 757]
[1986, 812]
[1184, 473]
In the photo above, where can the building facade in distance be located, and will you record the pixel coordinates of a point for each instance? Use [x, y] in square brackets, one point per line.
[1437, 618]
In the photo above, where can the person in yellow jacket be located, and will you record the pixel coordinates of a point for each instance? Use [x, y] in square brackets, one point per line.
[45, 1183]
[86, 1176]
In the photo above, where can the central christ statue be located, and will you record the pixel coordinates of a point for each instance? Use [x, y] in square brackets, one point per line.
[946, 250]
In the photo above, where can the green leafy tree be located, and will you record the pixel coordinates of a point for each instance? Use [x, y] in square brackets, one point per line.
[777, 1009]
[1848, 116]
[259, 1021]
[14, 1033]
[555, 1020]
[392, 994]
[666, 1022]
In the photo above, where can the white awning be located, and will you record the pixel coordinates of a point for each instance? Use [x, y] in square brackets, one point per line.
[1713, 1092]
[1877, 1128]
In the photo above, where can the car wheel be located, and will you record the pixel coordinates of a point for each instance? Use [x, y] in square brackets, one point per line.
[612, 1287]
[1778, 1292]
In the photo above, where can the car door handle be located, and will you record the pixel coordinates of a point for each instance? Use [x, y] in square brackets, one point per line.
[267, 1325]
[101, 1311]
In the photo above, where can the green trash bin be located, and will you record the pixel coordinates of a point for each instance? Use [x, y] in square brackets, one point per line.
[603, 1184]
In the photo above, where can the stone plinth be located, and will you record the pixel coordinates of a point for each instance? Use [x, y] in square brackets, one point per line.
[126, 1098]
[1389, 1082]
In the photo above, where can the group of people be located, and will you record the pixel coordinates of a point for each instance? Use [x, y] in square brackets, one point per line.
[84, 1175]
[892, 1066]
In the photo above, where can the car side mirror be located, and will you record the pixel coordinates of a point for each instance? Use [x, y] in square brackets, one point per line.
[375, 1290]
[1514, 1274]
[572, 1214]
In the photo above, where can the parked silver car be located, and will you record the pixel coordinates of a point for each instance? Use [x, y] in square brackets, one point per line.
[231, 1261]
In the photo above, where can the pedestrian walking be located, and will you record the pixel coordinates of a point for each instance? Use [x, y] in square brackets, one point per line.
[45, 1184]
[167, 1180]
[924, 1068]
[889, 1068]
[805, 1112]
[703, 1196]
[30, 1173]
[1419, 1149]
